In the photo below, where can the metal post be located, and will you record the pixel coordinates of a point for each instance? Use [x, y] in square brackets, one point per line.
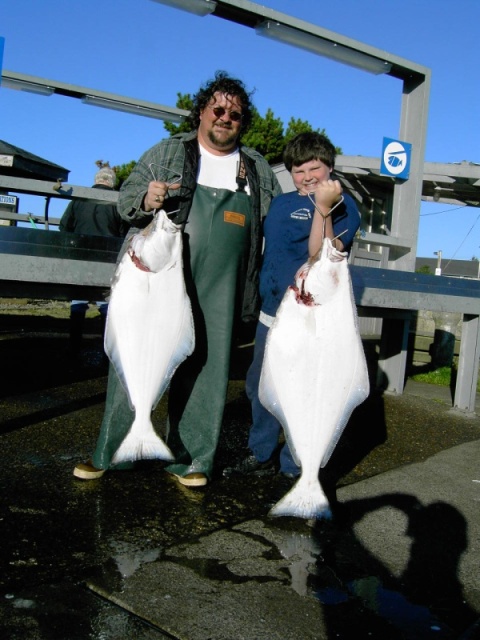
[438, 270]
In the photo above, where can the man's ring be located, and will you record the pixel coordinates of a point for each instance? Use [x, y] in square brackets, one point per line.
[157, 199]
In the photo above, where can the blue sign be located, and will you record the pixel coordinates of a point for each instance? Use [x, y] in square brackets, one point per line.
[395, 160]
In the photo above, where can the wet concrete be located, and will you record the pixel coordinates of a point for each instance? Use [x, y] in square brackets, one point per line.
[135, 555]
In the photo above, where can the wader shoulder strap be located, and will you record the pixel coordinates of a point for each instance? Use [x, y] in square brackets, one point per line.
[241, 175]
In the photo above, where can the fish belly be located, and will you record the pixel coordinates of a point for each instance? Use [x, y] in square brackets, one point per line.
[314, 374]
[149, 333]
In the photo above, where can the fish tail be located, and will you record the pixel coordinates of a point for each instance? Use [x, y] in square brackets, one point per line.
[306, 500]
[142, 446]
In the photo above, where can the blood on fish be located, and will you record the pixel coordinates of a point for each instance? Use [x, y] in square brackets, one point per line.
[136, 261]
[302, 296]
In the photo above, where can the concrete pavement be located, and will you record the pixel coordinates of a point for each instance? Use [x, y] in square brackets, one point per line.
[135, 555]
[401, 561]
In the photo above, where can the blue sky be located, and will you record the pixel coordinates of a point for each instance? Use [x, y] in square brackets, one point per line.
[144, 50]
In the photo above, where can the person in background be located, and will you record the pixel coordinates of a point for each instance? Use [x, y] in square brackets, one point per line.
[91, 218]
[294, 230]
[224, 192]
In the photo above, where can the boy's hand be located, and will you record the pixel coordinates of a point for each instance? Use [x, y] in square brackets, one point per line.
[327, 194]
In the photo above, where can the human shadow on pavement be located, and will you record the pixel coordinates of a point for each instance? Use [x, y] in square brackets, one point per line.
[413, 587]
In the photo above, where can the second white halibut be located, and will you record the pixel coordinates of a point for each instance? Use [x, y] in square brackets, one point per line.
[314, 373]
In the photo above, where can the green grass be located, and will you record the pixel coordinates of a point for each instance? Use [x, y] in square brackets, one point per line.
[441, 376]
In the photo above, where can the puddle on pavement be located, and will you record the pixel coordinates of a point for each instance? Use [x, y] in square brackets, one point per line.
[412, 620]
[290, 553]
[304, 550]
[128, 558]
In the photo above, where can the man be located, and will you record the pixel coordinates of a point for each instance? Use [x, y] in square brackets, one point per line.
[92, 219]
[225, 191]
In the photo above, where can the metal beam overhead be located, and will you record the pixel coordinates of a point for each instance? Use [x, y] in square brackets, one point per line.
[252, 15]
[42, 86]
[414, 106]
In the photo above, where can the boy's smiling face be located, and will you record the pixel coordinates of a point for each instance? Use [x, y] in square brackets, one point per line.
[306, 176]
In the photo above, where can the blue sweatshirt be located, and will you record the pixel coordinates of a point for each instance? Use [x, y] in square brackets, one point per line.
[287, 230]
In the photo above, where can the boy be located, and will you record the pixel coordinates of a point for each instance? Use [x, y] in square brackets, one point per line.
[294, 230]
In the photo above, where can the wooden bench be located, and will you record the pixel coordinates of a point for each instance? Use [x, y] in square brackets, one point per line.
[395, 296]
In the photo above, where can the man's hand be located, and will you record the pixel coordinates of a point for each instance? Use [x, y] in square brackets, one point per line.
[156, 194]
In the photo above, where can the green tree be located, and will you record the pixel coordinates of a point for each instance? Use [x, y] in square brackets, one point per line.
[123, 171]
[424, 269]
[296, 126]
[184, 101]
[266, 134]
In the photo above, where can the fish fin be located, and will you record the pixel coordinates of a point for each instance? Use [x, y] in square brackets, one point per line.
[268, 395]
[185, 348]
[270, 399]
[146, 446]
[355, 398]
[110, 346]
[305, 500]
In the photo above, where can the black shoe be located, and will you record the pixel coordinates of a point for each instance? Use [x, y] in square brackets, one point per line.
[289, 476]
[250, 465]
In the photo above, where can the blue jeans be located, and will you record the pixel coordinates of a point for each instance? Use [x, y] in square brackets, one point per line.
[265, 430]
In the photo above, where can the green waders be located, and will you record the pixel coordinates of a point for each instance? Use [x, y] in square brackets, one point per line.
[216, 245]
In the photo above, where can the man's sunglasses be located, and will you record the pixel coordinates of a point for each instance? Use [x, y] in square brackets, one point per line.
[235, 116]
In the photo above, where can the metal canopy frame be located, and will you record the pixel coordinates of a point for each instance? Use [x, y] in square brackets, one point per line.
[455, 184]
[413, 120]
[414, 105]
[44, 87]
[450, 183]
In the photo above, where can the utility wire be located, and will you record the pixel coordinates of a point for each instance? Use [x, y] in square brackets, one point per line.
[436, 213]
[460, 246]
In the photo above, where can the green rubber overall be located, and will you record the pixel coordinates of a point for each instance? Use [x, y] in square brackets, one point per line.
[216, 242]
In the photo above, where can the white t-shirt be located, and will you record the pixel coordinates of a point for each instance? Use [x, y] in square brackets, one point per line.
[219, 172]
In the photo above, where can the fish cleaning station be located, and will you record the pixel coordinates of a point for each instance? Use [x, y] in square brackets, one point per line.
[387, 291]
[137, 555]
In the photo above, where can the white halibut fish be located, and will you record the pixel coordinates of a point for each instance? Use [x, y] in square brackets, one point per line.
[149, 330]
[314, 373]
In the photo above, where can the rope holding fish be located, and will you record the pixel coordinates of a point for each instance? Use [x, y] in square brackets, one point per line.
[156, 169]
[325, 215]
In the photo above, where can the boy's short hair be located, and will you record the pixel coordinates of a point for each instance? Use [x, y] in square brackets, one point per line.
[307, 146]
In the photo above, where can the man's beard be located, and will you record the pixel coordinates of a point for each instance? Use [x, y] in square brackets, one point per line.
[227, 142]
